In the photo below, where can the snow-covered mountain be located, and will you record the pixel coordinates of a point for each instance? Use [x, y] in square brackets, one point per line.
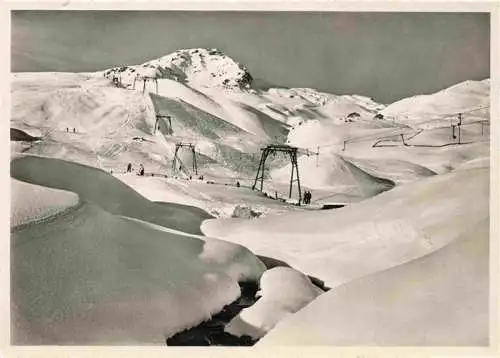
[469, 97]
[210, 102]
[197, 67]
[106, 247]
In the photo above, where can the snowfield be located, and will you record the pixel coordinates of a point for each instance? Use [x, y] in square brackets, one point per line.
[31, 203]
[91, 276]
[392, 228]
[441, 299]
[101, 256]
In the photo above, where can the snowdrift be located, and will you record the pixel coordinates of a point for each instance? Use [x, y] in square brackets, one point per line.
[109, 193]
[334, 172]
[33, 203]
[85, 275]
[397, 171]
[283, 291]
[392, 228]
[90, 277]
[441, 299]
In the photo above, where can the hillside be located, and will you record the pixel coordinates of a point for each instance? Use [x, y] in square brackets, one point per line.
[94, 245]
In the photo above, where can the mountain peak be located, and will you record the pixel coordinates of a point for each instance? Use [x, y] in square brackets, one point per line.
[198, 67]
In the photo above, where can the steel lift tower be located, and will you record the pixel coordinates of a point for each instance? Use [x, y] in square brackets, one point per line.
[177, 160]
[145, 80]
[274, 148]
[166, 118]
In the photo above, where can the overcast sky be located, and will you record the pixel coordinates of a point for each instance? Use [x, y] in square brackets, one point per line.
[386, 56]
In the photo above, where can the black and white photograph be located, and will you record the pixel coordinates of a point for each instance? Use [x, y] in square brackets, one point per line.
[250, 178]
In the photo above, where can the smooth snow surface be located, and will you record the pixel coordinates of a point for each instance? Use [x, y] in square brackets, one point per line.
[335, 173]
[93, 276]
[106, 191]
[437, 300]
[462, 97]
[283, 291]
[392, 228]
[218, 200]
[33, 203]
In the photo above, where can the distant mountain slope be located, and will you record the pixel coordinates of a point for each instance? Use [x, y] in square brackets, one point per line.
[462, 97]
[213, 105]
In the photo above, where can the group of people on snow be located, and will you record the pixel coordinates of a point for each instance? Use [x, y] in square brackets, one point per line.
[141, 169]
[307, 197]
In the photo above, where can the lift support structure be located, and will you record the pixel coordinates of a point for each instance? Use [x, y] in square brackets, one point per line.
[165, 118]
[177, 160]
[294, 177]
[145, 80]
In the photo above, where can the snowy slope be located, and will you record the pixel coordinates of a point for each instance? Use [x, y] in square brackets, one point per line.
[437, 300]
[90, 275]
[411, 189]
[209, 98]
[462, 97]
[106, 191]
[33, 203]
[219, 200]
[335, 172]
[392, 228]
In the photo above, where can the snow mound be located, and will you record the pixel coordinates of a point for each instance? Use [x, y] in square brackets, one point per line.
[90, 277]
[389, 229]
[438, 300]
[398, 171]
[336, 173]
[33, 203]
[283, 291]
[112, 268]
[109, 193]
[199, 67]
[245, 212]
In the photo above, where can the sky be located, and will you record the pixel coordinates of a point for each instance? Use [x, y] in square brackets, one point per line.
[385, 56]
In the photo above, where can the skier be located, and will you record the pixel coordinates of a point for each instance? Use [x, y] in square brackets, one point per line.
[141, 170]
[67, 129]
[129, 167]
[237, 184]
